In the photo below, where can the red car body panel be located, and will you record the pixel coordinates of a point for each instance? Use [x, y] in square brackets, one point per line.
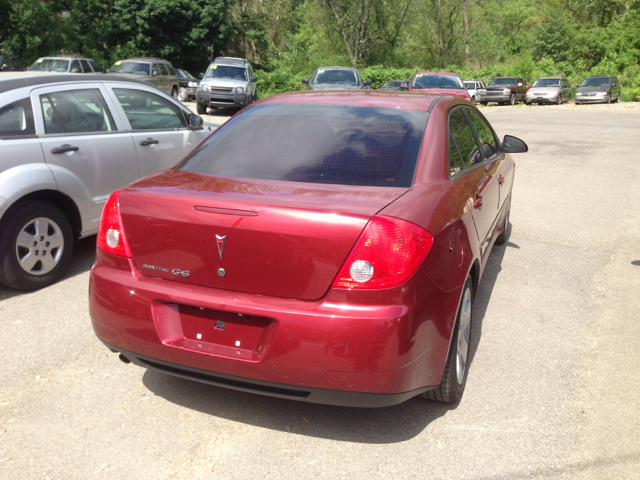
[301, 333]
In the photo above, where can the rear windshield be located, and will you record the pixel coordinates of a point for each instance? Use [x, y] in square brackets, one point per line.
[331, 144]
[347, 77]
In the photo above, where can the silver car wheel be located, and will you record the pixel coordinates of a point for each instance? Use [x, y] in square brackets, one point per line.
[464, 335]
[39, 246]
[182, 94]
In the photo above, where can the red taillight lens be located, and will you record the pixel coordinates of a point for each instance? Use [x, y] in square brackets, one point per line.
[388, 252]
[111, 237]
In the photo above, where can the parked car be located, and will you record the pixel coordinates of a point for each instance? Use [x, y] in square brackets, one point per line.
[504, 90]
[549, 90]
[155, 71]
[9, 64]
[228, 82]
[65, 64]
[394, 85]
[442, 83]
[336, 78]
[599, 89]
[66, 143]
[333, 258]
[188, 85]
[472, 87]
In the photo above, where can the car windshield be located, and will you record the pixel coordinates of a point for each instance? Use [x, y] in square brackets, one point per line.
[328, 144]
[185, 74]
[50, 65]
[595, 82]
[470, 85]
[136, 68]
[395, 83]
[547, 82]
[222, 71]
[347, 77]
[422, 80]
[503, 81]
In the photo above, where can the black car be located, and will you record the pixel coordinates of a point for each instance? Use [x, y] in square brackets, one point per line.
[394, 85]
[188, 85]
[9, 64]
[336, 78]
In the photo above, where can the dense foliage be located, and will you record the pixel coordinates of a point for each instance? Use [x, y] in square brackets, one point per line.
[287, 39]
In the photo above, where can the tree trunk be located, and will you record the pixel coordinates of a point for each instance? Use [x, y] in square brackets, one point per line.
[467, 46]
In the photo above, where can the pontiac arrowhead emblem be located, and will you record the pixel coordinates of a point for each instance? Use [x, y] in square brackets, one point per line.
[221, 241]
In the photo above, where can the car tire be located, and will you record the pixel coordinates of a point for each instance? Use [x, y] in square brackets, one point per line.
[484, 104]
[512, 99]
[473, 100]
[183, 96]
[174, 93]
[559, 101]
[618, 99]
[506, 228]
[608, 99]
[454, 377]
[23, 238]
[202, 110]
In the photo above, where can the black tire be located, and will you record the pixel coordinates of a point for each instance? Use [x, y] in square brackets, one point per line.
[618, 99]
[450, 389]
[559, 101]
[174, 93]
[506, 230]
[484, 104]
[512, 99]
[12, 274]
[608, 99]
[201, 109]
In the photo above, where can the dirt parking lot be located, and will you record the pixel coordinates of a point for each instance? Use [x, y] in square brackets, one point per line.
[552, 390]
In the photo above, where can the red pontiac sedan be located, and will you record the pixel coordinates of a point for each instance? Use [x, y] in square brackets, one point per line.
[319, 246]
[441, 83]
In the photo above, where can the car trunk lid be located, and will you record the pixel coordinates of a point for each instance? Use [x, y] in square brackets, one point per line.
[273, 238]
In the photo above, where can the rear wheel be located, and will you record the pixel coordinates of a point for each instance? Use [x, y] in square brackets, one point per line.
[201, 109]
[35, 246]
[454, 377]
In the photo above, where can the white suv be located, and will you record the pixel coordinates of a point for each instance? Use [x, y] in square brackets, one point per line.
[66, 143]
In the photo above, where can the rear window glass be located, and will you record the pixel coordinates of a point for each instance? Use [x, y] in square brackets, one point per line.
[331, 144]
[16, 119]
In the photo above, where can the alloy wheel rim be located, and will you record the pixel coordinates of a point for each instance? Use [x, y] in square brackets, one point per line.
[464, 335]
[39, 246]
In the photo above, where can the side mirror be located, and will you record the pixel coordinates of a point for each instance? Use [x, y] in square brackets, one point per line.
[305, 81]
[201, 76]
[366, 83]
[513, 145]
[614, 85]
[519, 84]
[404, 86]
[195, 122]
[253, 79]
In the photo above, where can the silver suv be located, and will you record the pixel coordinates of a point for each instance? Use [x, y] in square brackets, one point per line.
[62, 64]
[66, 143]
[228, 82]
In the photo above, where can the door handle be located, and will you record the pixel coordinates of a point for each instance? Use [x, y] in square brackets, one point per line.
[478, 202]
[149, 141]
[500, 179]
[64, 149]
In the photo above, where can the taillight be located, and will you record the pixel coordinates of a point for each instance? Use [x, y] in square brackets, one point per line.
[111, 237]
[388, 252]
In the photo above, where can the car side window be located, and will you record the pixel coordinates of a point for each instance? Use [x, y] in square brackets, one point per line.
[485, 134]
[463, 148]
[75, 65]
[94, 65]
[170, 68]
[147, 111]
[163, 69]
[16, 119]
[154, 70]
[85, 66]
[76, 111]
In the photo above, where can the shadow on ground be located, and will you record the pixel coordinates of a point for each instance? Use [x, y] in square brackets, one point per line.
[376, 426]
[84, 255]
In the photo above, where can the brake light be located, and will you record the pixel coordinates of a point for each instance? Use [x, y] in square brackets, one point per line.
[388, 253]
[111, 236]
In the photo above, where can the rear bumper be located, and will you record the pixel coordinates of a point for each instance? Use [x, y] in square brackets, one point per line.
[279, 390]
[394, 350]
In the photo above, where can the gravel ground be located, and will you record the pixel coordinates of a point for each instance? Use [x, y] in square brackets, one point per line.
[551, 391]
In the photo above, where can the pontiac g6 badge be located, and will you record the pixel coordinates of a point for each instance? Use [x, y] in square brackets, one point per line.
[221, 241]
[176, 271]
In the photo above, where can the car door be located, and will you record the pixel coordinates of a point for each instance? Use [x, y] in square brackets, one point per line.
[158, 127]
[86, 145]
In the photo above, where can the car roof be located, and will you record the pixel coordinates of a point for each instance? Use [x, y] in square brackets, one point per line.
[436, 73]
[230, 61]
[144, 59]
[408, 100]
[12, 80]
[338, 68]
[65, 57]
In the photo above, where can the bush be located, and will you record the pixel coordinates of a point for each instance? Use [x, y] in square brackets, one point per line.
[630, 95]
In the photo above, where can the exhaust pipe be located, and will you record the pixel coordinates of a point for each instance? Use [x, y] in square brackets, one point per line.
[124, 359]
